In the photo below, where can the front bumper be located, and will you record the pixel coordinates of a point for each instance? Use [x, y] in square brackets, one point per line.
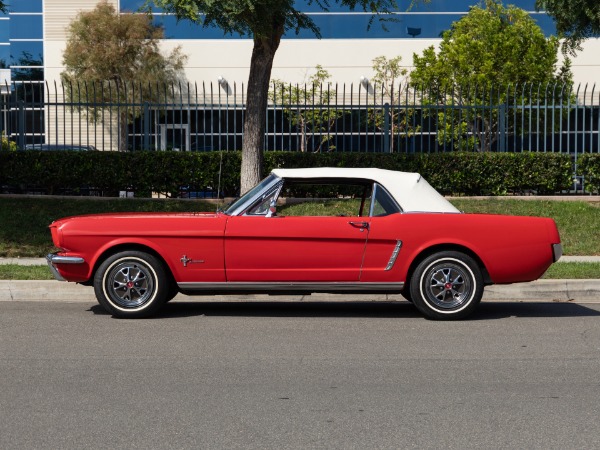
[53, 259]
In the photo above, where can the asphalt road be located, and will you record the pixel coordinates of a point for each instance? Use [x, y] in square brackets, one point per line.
[299, 375]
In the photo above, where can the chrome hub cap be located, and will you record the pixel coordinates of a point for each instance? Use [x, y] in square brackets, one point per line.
[130, 284]
[448, 286]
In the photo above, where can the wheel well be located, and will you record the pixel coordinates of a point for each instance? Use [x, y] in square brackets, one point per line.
[123, 247]
[448, 247]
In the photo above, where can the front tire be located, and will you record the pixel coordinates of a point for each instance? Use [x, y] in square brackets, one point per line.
[131, 284]
[447, 285]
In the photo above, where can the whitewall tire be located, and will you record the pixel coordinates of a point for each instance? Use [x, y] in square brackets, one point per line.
[131, 284]
[447, 285]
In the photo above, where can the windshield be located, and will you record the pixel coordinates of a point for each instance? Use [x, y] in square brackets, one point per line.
[249, 195]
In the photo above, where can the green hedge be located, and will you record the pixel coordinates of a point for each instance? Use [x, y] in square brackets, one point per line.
[589, 167]
[458, 173]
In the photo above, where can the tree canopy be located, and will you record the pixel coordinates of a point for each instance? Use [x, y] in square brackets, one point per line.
[106, 52]
[265, 21]
[492, 44]
[492, 47]
[576, 20]
[305, 110]
[3, 6]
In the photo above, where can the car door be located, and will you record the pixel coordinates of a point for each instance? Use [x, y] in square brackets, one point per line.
[386, 232]
[295, 249]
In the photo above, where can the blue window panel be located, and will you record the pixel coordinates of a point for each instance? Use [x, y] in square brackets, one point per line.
[26, 54]
[336, 26]
[332, 26]
[25, 6]
[403, 6]
[4, 30]
[546, 23]
[4, 56]
[188, 30]
[444, 6]
[135, 5]
[348, 26]
[26, 27]
[27, 74]
[310, 7]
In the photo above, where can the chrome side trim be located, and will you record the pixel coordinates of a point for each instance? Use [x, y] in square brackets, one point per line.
[394, 255]
[56, 259]
[287, 287]
[557, 251]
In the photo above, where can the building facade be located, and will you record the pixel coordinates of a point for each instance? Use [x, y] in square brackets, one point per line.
[33, 36]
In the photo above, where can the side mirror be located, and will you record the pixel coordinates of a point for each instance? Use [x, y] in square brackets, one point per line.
[272, 208]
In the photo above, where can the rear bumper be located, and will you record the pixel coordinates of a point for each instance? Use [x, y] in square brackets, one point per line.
[53, 259]
[557, 251]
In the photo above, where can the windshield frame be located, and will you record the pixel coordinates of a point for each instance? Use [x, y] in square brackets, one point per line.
[241, 204]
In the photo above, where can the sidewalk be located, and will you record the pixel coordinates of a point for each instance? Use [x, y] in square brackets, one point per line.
[579, 291]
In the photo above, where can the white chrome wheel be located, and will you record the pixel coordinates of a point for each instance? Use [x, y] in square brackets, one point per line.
[447, 285]
[131, 284]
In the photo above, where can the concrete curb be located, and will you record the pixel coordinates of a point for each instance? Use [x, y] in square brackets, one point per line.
[24, 261]
[579, 291]
[583, 291]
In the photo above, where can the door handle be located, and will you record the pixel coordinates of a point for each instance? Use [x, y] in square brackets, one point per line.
[361, 225]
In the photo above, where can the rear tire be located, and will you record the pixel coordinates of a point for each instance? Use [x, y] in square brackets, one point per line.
[131, 284]
[446, 286]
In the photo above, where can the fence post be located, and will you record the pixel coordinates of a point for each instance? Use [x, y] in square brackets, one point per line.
[502, 127]
[386, 128]
[146, 145]
[21, 138]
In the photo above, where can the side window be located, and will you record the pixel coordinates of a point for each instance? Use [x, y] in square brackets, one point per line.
[332, 198]
[384, 204]
[261, 207]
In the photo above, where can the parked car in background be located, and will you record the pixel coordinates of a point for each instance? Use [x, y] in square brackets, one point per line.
[60, 147]
[381, 232]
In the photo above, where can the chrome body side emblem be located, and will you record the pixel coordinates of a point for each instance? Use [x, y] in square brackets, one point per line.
[185, 260]
[395, 253]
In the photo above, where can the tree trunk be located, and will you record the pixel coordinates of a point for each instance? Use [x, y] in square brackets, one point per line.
[256, 107]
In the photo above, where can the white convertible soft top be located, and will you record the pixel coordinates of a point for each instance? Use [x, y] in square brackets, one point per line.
[412, 192]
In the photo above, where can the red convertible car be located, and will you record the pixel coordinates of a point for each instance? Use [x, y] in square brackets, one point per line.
[302, 231]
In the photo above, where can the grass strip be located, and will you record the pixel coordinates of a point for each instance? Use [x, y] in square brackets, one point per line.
[573, 271]
[17, 272]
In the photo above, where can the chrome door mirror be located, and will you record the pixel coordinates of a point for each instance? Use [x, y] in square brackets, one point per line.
[272, 208]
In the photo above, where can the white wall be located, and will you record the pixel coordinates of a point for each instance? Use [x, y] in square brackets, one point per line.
[346, 60]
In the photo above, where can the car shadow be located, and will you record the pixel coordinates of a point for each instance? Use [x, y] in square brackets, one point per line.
[502, 310]
[485, 311]
[280, 309]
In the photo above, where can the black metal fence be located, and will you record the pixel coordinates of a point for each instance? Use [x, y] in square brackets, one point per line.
[325, 118]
